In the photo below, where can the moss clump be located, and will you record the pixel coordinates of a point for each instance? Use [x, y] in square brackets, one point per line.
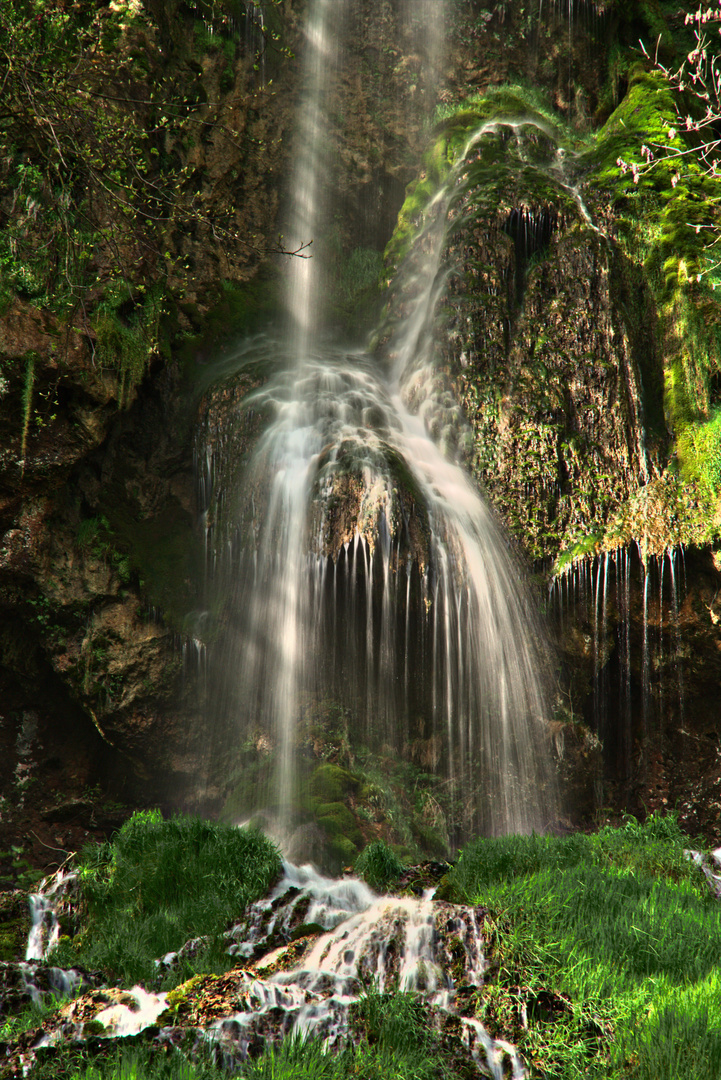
[699, 449]
[331, 783]
[337, 820]
[127, 335]
[499, 164]
[587, 545]
[342, 852]
[14, 926]
[241, 309]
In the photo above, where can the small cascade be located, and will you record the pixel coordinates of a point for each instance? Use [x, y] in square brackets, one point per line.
[44, 906]
[308, 985]
[42, 982]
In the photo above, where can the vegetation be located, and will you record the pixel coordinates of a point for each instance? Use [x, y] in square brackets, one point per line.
[102, 202]
[158, 883]
[379, 866]
[392, 1041]
[601, 952]
[621, 925]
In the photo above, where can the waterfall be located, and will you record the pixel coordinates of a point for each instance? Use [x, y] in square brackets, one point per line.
[358, 567]
[631, 601]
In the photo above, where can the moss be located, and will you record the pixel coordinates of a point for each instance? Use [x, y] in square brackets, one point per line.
[332, 783]
[664, 513]
[499, 165]
[419, 193]
[342, 852]
[180, 996]
[241, 309]
[127, 335]
[587, 545]
[699, 451]
[14, 926]
[338, 821]
[665, 221]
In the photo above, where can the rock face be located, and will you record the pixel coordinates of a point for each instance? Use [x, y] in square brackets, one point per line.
[574, 335]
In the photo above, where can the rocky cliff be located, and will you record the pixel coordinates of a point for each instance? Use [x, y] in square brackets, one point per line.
[140, 205]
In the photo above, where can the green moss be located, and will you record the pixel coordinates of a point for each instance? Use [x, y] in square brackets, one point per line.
[332, 783]
[241, 309]
[127, 334]
[434, 169]
[181, 995]
[666, 221]
[338, 821]
[14, 926]
[699, 449]
[587, 545]
[342, 852]
[501, 165]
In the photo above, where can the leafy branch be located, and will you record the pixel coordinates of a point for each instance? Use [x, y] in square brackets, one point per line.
[693, 142]
[95, 176]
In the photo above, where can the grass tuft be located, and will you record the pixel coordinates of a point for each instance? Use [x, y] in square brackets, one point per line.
[379, 866]
[159, 883]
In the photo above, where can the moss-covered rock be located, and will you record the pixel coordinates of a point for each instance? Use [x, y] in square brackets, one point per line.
[331, 783]
[14, 925]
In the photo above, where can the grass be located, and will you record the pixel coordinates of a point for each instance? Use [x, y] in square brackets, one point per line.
[157, 884]
[622, 924]
[602, 954]
[379, 866]
[392, 1041]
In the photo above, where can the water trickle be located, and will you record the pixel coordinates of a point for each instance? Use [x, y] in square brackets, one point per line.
[391, 943]
[45, 927]
[633, 600]
[309, 984]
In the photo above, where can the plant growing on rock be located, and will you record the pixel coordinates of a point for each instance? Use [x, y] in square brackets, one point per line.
[379, 865]
[102, 184]
[696, 84]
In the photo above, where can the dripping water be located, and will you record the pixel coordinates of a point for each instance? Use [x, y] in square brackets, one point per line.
[644, 658]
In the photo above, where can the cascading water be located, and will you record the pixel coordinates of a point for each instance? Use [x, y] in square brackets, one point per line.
[359, 566]
[630, 602]
[309, 950]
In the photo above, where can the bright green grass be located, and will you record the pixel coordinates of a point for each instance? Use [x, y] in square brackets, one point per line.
[624, 925]
[621, 923]
[158, 883]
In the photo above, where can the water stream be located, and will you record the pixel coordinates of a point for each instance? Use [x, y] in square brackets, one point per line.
[385, 944]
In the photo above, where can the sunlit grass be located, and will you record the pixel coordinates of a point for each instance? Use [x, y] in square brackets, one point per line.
[157, 884]
[617, 931]
[393, 1041]
[623, 924]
